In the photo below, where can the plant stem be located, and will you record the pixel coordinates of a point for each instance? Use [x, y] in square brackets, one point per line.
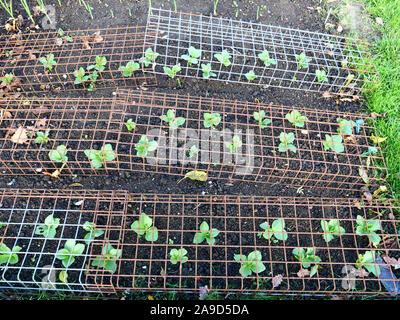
[215, 7]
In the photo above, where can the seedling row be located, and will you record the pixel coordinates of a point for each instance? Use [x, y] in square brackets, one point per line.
[113, 242]
[213, 48]
[74, 60]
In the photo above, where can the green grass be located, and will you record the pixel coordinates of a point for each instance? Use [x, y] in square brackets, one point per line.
[385, 96]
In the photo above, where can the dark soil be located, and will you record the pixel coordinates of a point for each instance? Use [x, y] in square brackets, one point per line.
[287, 13]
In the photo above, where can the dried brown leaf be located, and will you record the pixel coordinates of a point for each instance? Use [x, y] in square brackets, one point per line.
[277, 280]
[4, 114]
[367, 196]
[361, 273]
[391, 261]
[20, 136]
[357, 204]
[303, 273]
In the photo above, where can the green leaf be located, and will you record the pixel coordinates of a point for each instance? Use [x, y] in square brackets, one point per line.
[197, 175]
[151, 234]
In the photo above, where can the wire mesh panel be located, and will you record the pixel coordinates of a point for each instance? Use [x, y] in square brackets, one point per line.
[52, 61]
[253, 53]
[238, 147]
[249, 244]
[143, 131]
[37, 227]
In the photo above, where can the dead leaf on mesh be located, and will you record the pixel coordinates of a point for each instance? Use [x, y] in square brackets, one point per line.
[361, 273]
[4, 114]
[32, 55]
[367, 196]
[20, 136]
[363, 174]
[350, 138]
[277, 280]
[41, 123]
[391, 261]
[327, 94]
[303, 273]
[357, 204]
[95, 38]
[55, 174]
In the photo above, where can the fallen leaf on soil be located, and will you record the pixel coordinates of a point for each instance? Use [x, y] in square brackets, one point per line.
[75, 185]
[363, 174]
[150, 298]
[197, 175]
[367, 196]
[357, 204]
[40, 124]
[95, 38]
[377, 140]
[303, 273]
[350, 138]
[277, 280]
[54, 174]
[20, 136]
[379, 21]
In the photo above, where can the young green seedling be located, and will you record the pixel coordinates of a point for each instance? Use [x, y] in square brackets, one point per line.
[178, 256]
[59, 155]
[334, 143]
[307, 257]
[93, 233]
[49, 229]
[7, 78]
[69, 252]
[62, 37]
[42, 137]
[108, 259]
[193, 56]
[224, 57]
[130, 125]
[144, 227]
[368, 228]
[236, 144]
[367, 260]
[80, 76]
[98, 158]
[296, 118]
[276, 230]
[7, 255]
[331, 229]
[100, 64]
[264, 57]
[250, 76]
[286, 142]
[259, 116]
[149, 57]
[171, 72]
[321, 75]
[345, 126]
[302, 61]
[207, 73]
[129, 68]
[206, 234]
[251, 263]
[144, 146]
[48, 62]
[211, 120]
[174, 122]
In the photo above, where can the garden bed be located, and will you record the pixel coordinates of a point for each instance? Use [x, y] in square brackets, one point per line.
[145, 263]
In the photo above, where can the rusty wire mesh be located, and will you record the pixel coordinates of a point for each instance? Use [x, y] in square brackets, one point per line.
[344, 61]
[143, 264]
[90, 124]
[20, 56]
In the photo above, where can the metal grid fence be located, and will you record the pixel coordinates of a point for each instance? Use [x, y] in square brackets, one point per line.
[145, 262]
[90, 124]
[343, 62]
[21, 55]
[23, 212]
